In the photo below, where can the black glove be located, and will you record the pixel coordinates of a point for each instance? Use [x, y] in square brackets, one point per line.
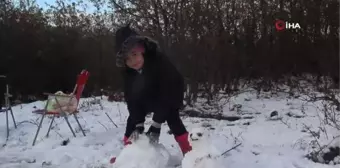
[153, 134]
[139, 129]
[135, 134]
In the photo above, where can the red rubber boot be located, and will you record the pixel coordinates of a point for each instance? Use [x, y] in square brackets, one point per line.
[183, 143]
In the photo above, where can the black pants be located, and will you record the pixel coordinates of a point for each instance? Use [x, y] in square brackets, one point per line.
[173, 120]
[2, 91]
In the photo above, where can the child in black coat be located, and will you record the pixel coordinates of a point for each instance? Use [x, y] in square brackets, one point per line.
[151, 84]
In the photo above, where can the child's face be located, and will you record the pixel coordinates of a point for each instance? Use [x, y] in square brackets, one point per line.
[135, 59]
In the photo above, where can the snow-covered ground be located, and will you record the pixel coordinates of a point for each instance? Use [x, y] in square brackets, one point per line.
[281, 142]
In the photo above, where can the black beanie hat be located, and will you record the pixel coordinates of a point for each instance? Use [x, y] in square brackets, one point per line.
[122, 34]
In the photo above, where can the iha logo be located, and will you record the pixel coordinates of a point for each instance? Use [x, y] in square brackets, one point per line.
[281, 25]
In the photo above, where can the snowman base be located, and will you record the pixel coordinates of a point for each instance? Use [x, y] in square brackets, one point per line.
[142, 154]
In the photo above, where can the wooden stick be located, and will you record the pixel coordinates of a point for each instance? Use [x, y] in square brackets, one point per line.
[111, 120]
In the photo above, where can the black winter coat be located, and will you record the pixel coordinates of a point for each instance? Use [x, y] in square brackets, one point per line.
[159, 88]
